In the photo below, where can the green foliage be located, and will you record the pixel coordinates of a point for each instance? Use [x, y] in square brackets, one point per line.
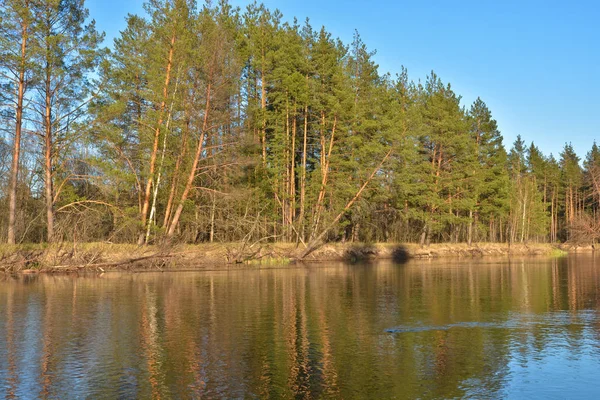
[259, 129]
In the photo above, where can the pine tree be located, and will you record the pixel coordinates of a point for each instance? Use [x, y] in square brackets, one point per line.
[261, 26]
[66, 50]
[490, 187]
[331, 108]
[554, 188]
[287, 94]
[216, 72]
[400, 171]
[528, 211]
[16, 30]
[309, 39]
[572, 179]
[444, 140]
[370, 131]
[591, 173]
[120, 118]
[538, 168]
[168, 46]
[199, 110]
[517, 158]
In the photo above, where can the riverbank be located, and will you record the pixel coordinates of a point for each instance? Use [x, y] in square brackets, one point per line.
[103, 256]
[400, 252]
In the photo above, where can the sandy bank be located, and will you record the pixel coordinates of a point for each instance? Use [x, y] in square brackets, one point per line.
[102, 256]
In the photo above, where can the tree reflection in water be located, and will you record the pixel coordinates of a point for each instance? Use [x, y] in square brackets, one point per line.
[476, 328]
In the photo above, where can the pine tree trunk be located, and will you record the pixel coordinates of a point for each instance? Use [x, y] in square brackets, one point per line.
[152, 216]
[14, 171]
[523, 217]
[49, 190]
[212, 217]
[175, 180]
[325, 159]
[288, 179]
[423, 235]
[263, 107]
[292, 210]
[161, 166]
[552, 227]
[303, 174]
[192, 174]
[153, 156]
[470, 231]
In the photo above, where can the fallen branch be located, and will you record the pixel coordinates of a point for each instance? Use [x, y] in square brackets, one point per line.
[73, 204]
[114, 263]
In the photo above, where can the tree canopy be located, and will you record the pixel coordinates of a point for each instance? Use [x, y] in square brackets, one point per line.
[210, 123]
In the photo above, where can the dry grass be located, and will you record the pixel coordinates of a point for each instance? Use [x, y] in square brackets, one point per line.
[101, 256]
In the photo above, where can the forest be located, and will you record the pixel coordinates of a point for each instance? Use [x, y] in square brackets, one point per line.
[208, 123]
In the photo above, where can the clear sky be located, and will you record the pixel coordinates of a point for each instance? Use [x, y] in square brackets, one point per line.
[535, 63]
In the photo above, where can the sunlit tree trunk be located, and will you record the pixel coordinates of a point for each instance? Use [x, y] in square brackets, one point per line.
[154, 153]
[194, 168]
[14, 170]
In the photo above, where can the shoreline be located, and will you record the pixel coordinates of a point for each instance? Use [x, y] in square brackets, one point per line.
[102, 257]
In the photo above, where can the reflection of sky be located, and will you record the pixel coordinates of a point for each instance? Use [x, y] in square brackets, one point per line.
[29, 345]
[561, 365]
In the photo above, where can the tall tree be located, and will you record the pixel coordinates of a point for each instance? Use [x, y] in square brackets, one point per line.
[331, 107]
[591, 166]
[490, 181]
[119, 114]
[261, 26]
[216, 72]
[15, 72]
[572, 179]
[67, 49]
[370, 125]
[444, 140]
[170, 24]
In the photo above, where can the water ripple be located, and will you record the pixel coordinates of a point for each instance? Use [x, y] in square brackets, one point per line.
[522, 321]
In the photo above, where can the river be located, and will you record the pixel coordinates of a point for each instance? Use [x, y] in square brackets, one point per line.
[481, 328]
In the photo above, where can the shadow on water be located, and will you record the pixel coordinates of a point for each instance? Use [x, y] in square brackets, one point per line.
[364, 254]
[360, 254]
[400, 255]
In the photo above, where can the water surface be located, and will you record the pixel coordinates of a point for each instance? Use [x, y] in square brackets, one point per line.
[429, 329]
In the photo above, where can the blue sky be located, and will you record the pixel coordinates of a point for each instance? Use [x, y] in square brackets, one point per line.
[535, 63]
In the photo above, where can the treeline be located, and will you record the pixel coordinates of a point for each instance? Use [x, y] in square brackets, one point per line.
[210, 123]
